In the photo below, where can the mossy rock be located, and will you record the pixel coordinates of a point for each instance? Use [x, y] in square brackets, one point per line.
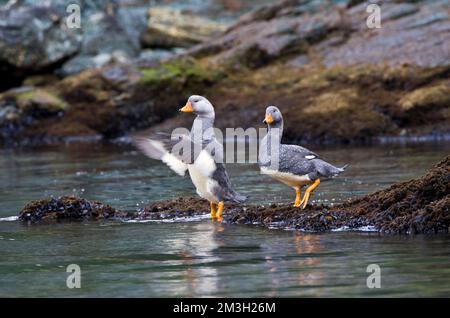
[436, 95]
[40, 99]
[181, 73]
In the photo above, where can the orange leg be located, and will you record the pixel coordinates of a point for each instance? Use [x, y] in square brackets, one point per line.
[298, 194]
[308, 193]
[213, 210]
[220, 207]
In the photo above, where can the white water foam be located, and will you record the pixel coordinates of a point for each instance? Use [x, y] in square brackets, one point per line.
[9, 218]
[366, 228]
[193, 218]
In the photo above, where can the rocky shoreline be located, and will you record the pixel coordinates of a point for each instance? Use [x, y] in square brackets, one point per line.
[337, 80]
[419, 206]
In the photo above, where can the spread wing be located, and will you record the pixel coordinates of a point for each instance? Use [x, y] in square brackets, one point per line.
[180, 151]
[157, 150]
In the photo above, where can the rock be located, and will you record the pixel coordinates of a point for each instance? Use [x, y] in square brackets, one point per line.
[413, 33]
[169, 27]
[123, 95]
[433, 96]
[422, 204]
[155, 55]
[133, 20]
[34, 36]
[68, 208]
[39, 99]
[341, 104]
[29, 99]
[32, 39]
[97, 49]
[40, 80]
[317, 61]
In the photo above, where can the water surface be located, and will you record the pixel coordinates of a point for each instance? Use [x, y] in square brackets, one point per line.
[202, 258]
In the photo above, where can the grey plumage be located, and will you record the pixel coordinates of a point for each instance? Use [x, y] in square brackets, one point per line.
[292, 159]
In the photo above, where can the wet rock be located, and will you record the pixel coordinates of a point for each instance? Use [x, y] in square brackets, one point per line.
[180, 207]
[421, 204]
[68, 208]
[170, 27]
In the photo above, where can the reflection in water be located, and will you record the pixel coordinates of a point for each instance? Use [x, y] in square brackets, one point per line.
[198, 259]
[308, 244]
[302, 258]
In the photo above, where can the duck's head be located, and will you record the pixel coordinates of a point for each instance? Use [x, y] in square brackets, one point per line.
[198, 105]
[273, 116]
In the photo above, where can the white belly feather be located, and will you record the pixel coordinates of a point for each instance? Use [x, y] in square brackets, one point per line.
[290, 179]
[201, 172]
[203, 184]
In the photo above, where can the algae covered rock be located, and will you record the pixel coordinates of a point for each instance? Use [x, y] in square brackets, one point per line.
[42, 100]
[67, 208]
[421, 205]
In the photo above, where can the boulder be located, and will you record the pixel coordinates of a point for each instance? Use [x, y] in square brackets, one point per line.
[411, 33]
[34, 38]
[169, 27]
[23, 106]
[68, 208]
[98, 50]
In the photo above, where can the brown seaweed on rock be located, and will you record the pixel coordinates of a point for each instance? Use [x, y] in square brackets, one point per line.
[420, 205]
[68, 208]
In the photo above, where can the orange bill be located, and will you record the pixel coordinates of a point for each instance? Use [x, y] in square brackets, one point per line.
[268, 119]
[187, 108]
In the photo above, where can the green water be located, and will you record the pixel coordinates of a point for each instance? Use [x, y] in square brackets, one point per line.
[199, 257]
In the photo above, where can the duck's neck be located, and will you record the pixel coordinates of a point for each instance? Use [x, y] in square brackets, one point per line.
[275, 131]
[271, 143]
[202, 128]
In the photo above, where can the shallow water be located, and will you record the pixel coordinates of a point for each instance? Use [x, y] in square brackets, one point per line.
[202, 258]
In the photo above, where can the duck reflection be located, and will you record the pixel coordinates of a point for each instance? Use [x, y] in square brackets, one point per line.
[198, 256]
[296, 266]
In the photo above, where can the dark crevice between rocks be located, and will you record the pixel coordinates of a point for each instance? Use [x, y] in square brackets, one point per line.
[417, 206]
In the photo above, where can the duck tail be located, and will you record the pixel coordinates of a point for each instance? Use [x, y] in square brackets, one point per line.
[342, 169]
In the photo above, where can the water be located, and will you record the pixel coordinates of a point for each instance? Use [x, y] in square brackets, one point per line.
[202, 258]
